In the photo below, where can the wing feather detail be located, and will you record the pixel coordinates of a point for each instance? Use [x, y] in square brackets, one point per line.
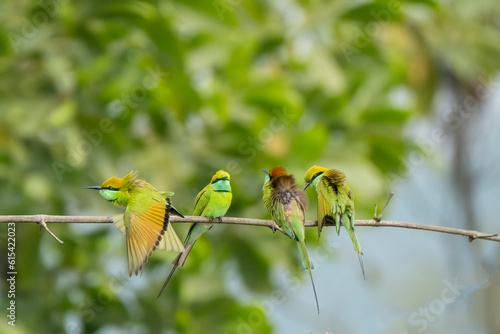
[146, 232]
[119, 223]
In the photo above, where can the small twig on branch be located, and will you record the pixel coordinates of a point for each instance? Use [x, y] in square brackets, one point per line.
[485, 236]
[379, 217]
[42, 223]
[253, 222]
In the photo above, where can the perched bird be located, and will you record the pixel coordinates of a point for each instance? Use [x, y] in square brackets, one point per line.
[212, 202]
[335, 202]
[287, 205]
[146, 219]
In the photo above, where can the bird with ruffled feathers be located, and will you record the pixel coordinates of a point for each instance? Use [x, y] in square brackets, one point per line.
[287, 204]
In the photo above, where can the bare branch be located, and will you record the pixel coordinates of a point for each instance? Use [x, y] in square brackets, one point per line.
[253, 222]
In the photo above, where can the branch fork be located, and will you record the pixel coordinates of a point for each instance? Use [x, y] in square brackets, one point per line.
[479, 235]
[378, 218]
[41, 223]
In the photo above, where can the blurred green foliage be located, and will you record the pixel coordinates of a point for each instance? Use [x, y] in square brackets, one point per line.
[180, 89]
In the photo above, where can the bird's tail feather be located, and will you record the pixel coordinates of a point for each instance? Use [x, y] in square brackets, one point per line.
[307, 263]
[357, 247]
[169, 275]
[183, 256]
[360, 257]
[177, 262]
[337, 223]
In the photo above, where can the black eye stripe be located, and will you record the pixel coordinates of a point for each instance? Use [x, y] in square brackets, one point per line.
[219, 179]
[317, 174]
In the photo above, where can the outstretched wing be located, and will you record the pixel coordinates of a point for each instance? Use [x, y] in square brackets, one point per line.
[147, 230]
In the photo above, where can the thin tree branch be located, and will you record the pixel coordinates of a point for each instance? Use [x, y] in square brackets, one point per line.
[253, 222]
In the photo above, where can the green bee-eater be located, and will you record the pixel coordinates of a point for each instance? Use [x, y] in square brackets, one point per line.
[335, 202]
[212, 202]
[146, 219]
[287, 205]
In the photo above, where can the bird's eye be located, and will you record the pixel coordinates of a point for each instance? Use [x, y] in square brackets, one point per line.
[111, 188]
[317, 174]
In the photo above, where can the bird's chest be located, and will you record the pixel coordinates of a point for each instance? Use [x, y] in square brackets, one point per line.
[218, 204]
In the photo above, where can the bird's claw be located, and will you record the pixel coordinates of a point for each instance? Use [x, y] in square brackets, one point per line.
[217, 220]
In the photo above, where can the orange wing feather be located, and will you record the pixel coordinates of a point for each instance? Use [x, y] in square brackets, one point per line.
[146, 233]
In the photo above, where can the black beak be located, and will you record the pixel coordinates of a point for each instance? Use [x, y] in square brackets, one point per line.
[307, 185]
[94, 187]
[265, 171]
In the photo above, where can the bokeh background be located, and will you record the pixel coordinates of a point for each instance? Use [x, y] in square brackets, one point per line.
[402, 96]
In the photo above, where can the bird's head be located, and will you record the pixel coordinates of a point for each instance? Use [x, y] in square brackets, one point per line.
[115, 189]
[220, 175]
[274, 173]
[313, 175]
[221, 180]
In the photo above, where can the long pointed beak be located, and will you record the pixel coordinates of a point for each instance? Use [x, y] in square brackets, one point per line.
[307, 185]
[265, 171]
[94, 187]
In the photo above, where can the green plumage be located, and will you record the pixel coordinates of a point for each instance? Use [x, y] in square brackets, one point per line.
[287, 205]
[212, 202]
[145, 222]
[335, 202]
[338, 197]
